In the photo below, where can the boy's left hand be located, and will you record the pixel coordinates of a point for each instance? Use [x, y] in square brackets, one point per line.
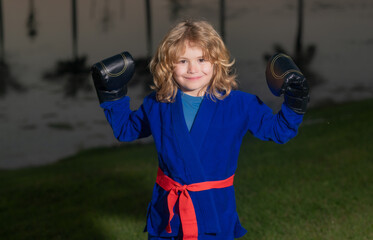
[296, 92]
[284, 77]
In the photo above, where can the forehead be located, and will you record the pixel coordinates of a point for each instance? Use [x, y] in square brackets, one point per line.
[190, 49]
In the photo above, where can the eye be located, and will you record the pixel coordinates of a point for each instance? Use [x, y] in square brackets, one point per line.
[182, 61]
[201, 60]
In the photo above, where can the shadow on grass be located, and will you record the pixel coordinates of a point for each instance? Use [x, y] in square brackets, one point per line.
[71, 199]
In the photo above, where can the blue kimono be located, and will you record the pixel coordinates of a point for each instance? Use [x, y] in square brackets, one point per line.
[208, 152]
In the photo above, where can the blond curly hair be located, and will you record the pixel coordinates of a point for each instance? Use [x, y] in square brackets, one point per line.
[203, 35]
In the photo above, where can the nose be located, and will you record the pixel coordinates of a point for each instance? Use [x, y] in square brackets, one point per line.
[192, 67]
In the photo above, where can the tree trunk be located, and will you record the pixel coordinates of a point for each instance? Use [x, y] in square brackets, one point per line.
[1, 33]
[74, 29]
[222, 19]
[148, 29]
[298, 44]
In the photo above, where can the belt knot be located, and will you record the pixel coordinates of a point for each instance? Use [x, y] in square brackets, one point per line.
[186, 209]
[182, 188]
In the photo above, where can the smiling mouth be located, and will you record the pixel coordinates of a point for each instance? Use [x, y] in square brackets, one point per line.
[193, 78]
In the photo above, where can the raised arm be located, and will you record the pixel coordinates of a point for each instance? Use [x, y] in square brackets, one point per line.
[110, 77]
[283, 78]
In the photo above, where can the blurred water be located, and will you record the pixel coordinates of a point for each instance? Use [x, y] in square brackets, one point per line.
[42, 121]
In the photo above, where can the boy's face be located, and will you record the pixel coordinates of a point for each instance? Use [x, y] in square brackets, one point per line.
[192, 72]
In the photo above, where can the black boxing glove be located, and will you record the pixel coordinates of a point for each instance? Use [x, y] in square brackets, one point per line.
[111, 75]
[284, 77]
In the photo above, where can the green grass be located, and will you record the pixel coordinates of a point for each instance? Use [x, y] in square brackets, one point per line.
[317, 186]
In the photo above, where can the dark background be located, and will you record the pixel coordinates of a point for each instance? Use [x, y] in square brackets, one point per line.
[48, 109]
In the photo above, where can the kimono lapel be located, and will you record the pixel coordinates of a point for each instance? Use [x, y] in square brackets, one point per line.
[189, 145]
[185, 143]
[191, 142]
[202, 121]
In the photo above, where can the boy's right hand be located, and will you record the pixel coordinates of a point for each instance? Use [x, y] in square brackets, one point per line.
[111, 75]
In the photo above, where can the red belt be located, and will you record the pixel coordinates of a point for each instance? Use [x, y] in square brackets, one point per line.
[186, 209]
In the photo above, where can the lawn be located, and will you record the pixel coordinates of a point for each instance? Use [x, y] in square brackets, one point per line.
[317, 186]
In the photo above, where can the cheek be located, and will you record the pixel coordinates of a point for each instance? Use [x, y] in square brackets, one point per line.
[178, 70]
[208, 69]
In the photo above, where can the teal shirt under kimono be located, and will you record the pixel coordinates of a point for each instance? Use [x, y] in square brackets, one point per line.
[190, 108]
[208, 152]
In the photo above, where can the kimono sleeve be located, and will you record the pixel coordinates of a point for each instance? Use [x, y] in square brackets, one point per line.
[265, 125]
[127, 125]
